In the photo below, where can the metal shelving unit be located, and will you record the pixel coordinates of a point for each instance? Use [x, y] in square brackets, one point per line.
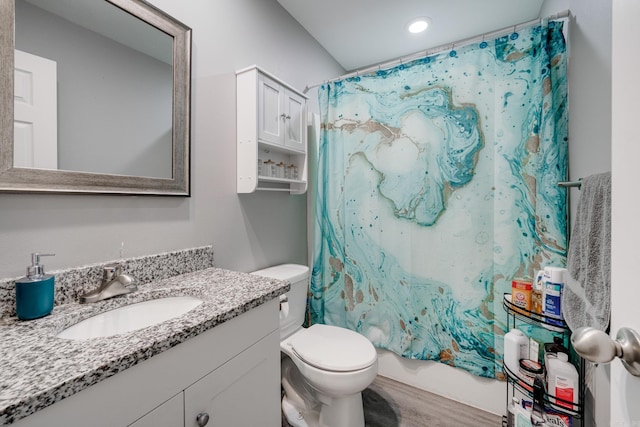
[515, 382]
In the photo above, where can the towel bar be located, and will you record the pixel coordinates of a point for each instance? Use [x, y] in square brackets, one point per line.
[570, 183]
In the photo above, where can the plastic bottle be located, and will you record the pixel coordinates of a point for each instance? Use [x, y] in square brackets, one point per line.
[34, 293]
[536, 294]
[552, 349]
[562, 381]
[516, 347]
[553, 285]
[512, 409]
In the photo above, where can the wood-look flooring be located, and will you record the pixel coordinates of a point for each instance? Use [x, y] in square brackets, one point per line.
[389, 403]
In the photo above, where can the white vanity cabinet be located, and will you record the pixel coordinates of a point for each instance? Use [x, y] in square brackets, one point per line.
[272, 127]
[169, 414]
[231, 373]
[239, 393]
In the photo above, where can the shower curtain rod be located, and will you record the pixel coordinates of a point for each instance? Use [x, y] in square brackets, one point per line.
[424, 53]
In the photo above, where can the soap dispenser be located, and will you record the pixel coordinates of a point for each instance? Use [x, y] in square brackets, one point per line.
[34, 293]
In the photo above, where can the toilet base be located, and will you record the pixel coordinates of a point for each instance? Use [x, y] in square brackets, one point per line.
[344, 412]
[295, 417]
[347, 411]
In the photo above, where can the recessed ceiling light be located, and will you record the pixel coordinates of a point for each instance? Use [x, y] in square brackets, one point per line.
[418, 25]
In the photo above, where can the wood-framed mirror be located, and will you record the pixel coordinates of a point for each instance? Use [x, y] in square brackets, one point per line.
[117, 74]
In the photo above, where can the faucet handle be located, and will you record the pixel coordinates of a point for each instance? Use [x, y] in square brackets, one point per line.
[110, 272]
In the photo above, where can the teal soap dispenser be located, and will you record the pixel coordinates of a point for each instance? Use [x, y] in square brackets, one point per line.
[34, 293]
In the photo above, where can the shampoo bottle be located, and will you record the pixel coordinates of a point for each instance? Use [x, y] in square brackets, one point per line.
[34, 293]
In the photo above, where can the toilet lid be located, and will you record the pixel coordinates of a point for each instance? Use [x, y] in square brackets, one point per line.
[333, 348]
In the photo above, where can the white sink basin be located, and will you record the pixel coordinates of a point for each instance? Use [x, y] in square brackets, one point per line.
[130, 318]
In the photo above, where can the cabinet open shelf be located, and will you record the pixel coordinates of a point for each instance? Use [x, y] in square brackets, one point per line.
[283, 180]
[550, 401]
[532, 317]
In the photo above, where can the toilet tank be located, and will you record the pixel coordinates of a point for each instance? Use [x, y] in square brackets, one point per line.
[293, 311]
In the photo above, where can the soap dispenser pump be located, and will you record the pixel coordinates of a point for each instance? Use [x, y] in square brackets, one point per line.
[34, 293]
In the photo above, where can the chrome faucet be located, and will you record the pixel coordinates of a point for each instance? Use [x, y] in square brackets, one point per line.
[114, 283]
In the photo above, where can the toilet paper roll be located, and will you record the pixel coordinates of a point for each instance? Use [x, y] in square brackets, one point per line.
[284, 308]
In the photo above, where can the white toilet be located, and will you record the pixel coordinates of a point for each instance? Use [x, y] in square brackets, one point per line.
[324, 368]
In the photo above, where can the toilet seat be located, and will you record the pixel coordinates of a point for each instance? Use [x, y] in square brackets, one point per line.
[333, 349]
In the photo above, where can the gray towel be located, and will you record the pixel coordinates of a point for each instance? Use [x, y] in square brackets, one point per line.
[586, 299]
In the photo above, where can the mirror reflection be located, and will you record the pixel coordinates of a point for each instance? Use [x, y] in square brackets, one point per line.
[93, 90]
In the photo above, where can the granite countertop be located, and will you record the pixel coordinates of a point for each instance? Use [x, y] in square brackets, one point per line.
[37, 369]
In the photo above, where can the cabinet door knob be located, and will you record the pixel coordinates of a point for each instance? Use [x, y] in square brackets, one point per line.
[202, 419]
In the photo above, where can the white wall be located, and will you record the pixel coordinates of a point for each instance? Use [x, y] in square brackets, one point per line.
[247, 232]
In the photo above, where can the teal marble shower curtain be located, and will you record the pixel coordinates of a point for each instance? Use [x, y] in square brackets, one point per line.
[437, 185]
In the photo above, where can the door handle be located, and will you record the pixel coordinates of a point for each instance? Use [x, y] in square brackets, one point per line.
[598, 347]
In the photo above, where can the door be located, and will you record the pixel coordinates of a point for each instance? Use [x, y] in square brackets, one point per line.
[245, 391]
[271, 118]
[35, 112]
[295, 124]
[169, 414]
[625, 209]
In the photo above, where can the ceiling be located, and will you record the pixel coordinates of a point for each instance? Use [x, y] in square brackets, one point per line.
[359, 33]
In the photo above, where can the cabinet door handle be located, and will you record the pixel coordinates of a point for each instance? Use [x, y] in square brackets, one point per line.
[285, 116]
[202, 419]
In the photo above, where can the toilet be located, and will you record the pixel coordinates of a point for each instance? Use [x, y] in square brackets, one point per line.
[324, 368]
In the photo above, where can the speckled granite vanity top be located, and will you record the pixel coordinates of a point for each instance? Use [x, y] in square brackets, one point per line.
[37, 369]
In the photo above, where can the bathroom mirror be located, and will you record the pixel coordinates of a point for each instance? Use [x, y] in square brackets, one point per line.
[116, 77]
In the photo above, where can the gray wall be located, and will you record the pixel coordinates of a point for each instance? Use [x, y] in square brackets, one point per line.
[247, 232]
[590, 138]
[589, 132]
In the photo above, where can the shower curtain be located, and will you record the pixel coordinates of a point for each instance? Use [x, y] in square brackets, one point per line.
[436, 187]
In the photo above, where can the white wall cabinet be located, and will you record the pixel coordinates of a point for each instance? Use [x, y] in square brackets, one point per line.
[230, 372]
[281, 115]
[272, 127]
